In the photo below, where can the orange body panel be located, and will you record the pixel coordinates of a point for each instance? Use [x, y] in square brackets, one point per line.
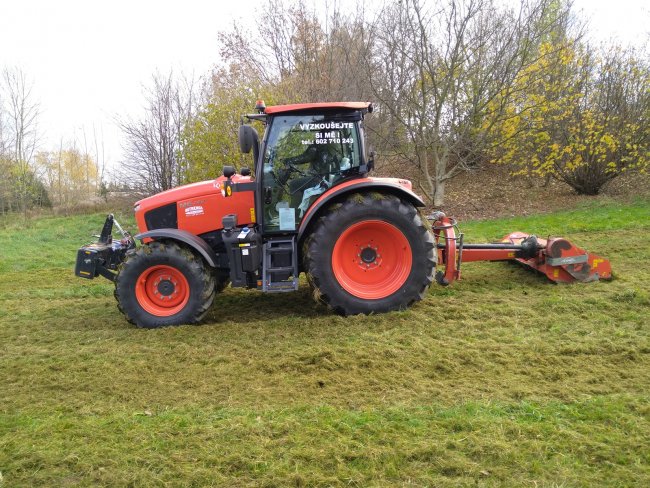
[201, 206]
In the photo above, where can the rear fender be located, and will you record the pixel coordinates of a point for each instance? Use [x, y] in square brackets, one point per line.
[195, 242]
[391, 186]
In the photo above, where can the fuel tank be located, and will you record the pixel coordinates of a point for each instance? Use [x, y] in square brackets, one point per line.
[197, 208]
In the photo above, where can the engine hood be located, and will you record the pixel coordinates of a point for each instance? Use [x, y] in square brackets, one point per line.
[197, 207]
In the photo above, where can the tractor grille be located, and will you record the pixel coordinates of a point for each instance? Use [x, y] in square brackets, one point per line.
[164, 217]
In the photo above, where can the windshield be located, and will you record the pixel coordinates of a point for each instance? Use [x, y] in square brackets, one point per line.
[305, 155]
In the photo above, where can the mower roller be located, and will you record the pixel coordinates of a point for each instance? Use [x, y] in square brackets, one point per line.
[309, 206]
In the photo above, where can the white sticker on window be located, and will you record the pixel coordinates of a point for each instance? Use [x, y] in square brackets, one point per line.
[287, 219]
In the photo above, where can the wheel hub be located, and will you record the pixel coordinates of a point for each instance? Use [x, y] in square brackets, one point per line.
[166, 287]
[368, 255]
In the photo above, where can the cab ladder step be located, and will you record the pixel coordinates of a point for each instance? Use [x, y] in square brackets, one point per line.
[280, 265]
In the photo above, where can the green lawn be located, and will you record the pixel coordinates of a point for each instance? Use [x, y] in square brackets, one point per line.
[502, 379]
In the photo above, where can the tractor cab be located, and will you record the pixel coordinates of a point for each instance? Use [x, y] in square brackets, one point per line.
[306, 150]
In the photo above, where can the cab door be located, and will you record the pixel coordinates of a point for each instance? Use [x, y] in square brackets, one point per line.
[304, 156]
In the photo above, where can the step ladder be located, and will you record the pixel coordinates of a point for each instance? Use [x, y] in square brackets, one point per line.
[280, 265]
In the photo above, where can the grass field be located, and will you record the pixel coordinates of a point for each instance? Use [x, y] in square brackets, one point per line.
[500, 380]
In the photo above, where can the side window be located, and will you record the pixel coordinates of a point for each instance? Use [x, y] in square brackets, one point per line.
[305, 155]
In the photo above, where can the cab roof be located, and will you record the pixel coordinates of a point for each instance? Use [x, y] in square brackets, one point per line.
[301, 107]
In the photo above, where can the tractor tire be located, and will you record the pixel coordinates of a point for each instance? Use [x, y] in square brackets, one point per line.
[222, 279]
[369, 254]
[164, 284]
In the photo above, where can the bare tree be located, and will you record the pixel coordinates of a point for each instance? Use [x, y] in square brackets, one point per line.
[6, 196]
[5, 163]
[22, 124]
[268, 56]
[3, 142]
[438, 68]
[155, 155]
[308, 56]
[100, 184]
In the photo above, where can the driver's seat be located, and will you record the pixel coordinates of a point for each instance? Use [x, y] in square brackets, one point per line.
[297, 187]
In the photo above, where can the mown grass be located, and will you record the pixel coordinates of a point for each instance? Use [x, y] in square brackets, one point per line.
[500, 380]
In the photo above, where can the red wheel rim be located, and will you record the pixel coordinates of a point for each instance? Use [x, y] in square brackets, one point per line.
[162, 290]
[372, 259]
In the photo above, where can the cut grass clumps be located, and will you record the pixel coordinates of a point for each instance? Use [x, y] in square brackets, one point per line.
[585, 443]
[502, 379]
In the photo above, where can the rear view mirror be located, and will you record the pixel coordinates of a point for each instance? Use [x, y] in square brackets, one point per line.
[248, 138]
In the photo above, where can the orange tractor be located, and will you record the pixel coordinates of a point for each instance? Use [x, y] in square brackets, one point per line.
[309, 207]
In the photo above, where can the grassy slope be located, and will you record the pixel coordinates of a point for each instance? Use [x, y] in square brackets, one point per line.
[502, 379]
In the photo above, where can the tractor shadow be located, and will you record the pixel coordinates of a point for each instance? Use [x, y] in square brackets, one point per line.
[246, 306]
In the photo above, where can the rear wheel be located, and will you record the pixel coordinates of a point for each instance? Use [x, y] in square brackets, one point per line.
[222, 279]
[372, 253]
[164, 284]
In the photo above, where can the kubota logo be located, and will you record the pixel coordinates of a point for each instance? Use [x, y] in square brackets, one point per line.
[191, 203]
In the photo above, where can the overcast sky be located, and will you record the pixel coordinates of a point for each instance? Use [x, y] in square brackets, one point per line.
[88, 59]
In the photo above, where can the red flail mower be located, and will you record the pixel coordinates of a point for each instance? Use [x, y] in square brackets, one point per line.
[557, 258]
[310, 206]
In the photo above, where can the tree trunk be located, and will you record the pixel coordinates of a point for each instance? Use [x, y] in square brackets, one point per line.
[439, 192]
[440, 162]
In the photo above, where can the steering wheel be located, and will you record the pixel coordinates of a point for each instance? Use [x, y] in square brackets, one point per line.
[294, 168]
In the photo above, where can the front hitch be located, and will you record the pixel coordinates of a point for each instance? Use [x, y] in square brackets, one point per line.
[104, 256]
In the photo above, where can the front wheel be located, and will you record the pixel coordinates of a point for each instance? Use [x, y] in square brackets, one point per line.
[164, 284]
[372, 253]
